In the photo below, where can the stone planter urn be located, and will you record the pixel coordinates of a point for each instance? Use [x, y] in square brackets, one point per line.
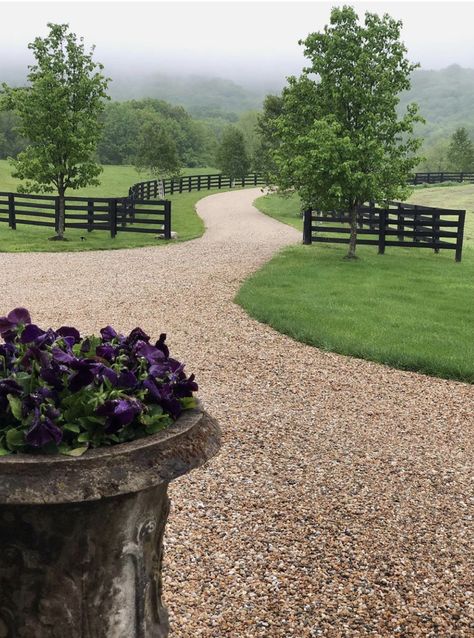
[82, 538]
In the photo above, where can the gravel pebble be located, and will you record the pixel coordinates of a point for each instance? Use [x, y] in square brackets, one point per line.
[341, 504]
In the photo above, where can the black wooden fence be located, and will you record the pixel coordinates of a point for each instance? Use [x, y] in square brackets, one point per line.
[122, 214]
[438, 178]
[189, 183]
[396, 224]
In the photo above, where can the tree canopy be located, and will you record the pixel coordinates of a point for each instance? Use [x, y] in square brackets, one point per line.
[340, 141]
[461, 151]
[157, 152]
[232, 158]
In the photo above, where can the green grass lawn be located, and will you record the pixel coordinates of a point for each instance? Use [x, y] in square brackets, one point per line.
[409, 308]
[115, 182]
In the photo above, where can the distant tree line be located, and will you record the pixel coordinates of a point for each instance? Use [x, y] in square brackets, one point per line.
[450, 154]
[132, 129]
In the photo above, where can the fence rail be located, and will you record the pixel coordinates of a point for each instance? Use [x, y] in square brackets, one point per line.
[396, 224]
[189, 183]
[438, 178]
[112, 214]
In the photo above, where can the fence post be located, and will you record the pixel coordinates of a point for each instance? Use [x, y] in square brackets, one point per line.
[208, 182]
[180, 184]
[11, 211]
[199, 182]
[167, 219]
[189, 184]
[460, 237]
[307, 223]
[436, 237]
[56, 215]
[113, 217]
[172, 186]
[382, 228]
[462, 177]
[400, 223]
[220, 180]
[90, 215]
[255, 179]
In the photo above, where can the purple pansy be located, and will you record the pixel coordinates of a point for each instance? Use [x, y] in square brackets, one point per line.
[119, 413]
[56, 386]
[9, 324]
[43, 431]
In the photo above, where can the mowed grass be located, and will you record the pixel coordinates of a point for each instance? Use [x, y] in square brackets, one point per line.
[115, 182]
[409, 308]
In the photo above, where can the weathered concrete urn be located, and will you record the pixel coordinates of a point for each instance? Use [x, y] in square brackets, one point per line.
[82, 538]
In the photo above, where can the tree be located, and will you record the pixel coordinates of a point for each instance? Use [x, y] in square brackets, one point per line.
[340, 140]
[157, 152]
[248, 123]
[59, 116]
[232, 158]
[461, 152]
[267, 126]
[435, 158]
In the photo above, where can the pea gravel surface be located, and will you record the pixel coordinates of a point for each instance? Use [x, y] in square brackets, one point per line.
[341, 503]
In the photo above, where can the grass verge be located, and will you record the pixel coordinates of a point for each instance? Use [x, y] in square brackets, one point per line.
[409, 308]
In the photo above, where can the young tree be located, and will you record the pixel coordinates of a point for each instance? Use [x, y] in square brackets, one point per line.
[461, 152]
[247, 123]
[268, 138]
[59, 116]
[157, 152]
[340, 141]
[232, 158]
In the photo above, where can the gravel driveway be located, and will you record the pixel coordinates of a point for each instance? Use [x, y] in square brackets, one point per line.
[341, 503]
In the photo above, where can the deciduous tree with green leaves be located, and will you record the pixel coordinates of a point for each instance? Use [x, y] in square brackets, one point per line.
[157, 152]
[340, 140]
[232, 158]
[59, 116]
[461, 152]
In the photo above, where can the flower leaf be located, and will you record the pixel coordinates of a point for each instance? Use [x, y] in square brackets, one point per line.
[77, 451]
[15, 439]
[15, 406]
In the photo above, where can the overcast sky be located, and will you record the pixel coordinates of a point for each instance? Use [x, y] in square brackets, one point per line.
[231, 39]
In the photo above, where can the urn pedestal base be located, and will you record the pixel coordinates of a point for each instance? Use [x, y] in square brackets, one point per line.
[82, 538]
[88, 570]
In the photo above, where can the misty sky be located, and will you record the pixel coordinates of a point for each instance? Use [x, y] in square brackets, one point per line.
[238, 40]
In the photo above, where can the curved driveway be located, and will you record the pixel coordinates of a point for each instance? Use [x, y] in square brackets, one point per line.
[340, 503]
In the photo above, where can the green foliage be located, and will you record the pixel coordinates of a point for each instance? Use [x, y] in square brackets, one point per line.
[59, 115]
[232, 158]
[248, 123]
[409, 308]
[461, 152]
[268, 142]
[11, 142]
[157, 152]
[340, 141]
[123, 121]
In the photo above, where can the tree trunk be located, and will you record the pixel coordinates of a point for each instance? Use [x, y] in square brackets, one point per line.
[61, 217]
[353, 236]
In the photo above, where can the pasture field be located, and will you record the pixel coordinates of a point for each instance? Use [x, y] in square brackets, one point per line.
[409, 308]
[115, 182]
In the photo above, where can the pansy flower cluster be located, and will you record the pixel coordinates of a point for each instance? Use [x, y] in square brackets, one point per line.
[63, 393]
